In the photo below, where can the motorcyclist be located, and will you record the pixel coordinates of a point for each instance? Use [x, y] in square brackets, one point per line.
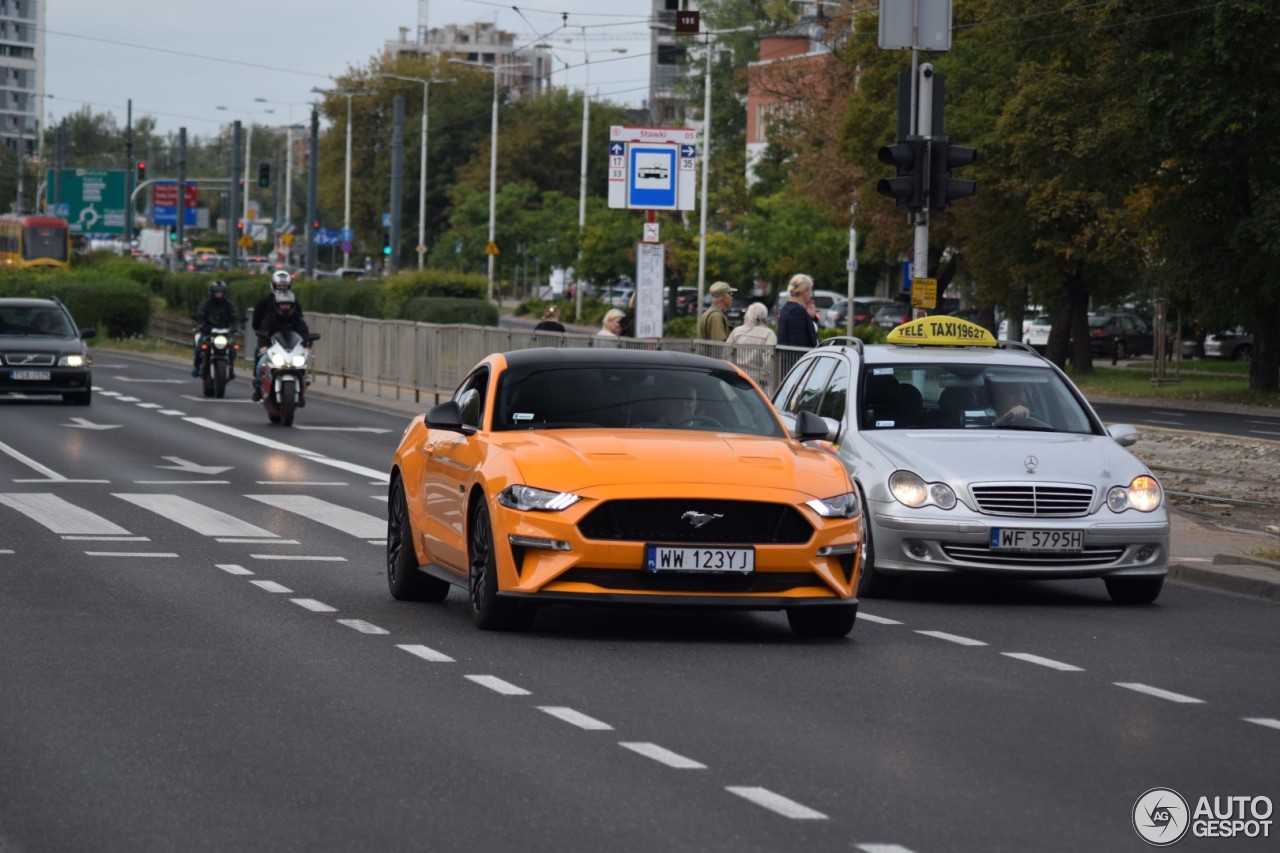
[280, 282]
[216, 311]
[284, 316]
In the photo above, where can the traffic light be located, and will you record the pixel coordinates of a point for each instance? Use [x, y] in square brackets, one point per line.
[264, 174]
[142, 171]
[386, 244]
[944, 189]
[173, 234]
[907, 187]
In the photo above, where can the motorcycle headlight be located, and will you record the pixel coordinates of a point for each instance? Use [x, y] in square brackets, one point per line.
[277, 359]
[1143, 494]
[910, 489]
[220, 341]
[528, 498]
[71, 361]
[840, 506]
[300, 360]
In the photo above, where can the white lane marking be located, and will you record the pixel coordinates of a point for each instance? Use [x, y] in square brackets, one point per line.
[377, 542]
[149, 405]
[952, 638]
[29, 462]
[1159, 694]
[1052, 664]
[60, 516]
[181, 482]
[343, 429]
[124, 399]
[879, 620]
[362, 626]
[380, 477]
[1262, 721]
[1169, 414]
[663, 755]
[882, 848]
[271, 586]
[497, 685]
[85, 423]
[776, 803]
[300, 483]
[1165, 423]
[106, 393]
[576, 718]
[233, 569]
[234, 540]
[357, 523]
[126, 554]
[195, 515]
[60, 480]
[151, 381]
[5, 551]
[172, 412]
[1263, 432]
[427, 653]
[107, 538]
[298, 557]
[313, 605]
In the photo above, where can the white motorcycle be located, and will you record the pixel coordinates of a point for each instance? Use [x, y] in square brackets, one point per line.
[282, 372]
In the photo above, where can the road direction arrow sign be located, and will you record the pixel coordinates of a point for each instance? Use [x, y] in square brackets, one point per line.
[81, 423]
[192, 468]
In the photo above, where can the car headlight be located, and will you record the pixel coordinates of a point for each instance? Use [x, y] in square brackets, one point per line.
[277, 359]
[528, 498]
[840, 506]
[220, 341]
[910, 489]
[300, 360]
[71, 361]
[1143, 494]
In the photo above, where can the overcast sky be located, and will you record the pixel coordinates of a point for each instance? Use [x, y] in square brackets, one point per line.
[178, 60]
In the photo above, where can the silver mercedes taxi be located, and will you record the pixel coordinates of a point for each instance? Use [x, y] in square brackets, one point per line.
[981, 457]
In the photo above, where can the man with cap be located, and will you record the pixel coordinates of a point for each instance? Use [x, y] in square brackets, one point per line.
[713, 324]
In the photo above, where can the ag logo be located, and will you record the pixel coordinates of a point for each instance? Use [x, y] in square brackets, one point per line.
[1161, 817]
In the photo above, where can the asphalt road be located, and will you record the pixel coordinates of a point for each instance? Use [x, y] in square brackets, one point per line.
[198, 652]
[1195, 420]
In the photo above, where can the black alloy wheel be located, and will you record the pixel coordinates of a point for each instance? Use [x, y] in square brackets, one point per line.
[404, 579]
[488, 611]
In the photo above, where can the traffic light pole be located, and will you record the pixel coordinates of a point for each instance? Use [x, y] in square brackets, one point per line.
[923, 99]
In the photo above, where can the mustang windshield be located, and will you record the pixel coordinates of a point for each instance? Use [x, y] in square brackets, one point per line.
[613, 397]
[969, 396]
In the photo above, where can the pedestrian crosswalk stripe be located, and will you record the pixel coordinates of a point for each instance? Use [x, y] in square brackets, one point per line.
[60, 516]
[351, 521]
[195, 515]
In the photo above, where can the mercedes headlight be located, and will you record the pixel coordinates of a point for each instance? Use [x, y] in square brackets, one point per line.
[71, 361]
[527, 498]
[910, 489]
[1143, 494]
[840, 506]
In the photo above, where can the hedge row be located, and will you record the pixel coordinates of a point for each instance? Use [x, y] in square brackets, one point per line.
[116, 307]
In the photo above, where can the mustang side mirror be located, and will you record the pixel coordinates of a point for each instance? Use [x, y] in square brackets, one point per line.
[448, 416]
[810, 427]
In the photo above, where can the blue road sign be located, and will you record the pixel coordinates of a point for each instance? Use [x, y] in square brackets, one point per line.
[326, 237]
[386, 220]
[347, 234]
[168, 215]
[616, 148]
[688, 151]
[61, 209]
[651, 177]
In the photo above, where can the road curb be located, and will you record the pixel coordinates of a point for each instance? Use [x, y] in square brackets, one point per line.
[1257, 581]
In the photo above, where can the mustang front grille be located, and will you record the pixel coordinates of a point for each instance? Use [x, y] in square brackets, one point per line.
[983, 555]
[1033, 499]
[697, 521]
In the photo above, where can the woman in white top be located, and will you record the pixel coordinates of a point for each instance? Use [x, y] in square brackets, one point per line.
[758, 340]
[611, 324]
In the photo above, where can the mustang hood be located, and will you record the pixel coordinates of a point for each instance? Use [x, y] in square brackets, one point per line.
[576, 459]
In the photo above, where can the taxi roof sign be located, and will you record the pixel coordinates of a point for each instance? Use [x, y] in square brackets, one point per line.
[940, 330]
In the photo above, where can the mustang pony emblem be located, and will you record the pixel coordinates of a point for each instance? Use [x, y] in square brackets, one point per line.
[699, 519]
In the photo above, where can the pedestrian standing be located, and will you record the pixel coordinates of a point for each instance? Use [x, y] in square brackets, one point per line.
[795, 325]
[713, 324]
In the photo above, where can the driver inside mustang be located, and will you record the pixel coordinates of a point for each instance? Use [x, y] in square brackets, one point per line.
[677, 403]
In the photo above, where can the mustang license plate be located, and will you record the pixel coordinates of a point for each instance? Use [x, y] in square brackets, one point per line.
[1015, 539]
[668, 558]
[36, 375]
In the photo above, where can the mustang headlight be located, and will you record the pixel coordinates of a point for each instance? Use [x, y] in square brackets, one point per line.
[300, 360]
[71, 361]
[841, 506]
[910, 489]
[527, 498]
[1143, 494]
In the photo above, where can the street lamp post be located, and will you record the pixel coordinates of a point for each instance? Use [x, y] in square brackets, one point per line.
[493, 159]
[346, 195]
[248, 149]
[422, 161]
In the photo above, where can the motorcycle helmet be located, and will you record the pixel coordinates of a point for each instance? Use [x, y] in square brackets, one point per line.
[217, 286]
[285, 301]
[281, 281]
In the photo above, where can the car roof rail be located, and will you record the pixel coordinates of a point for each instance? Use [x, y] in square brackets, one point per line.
[842, 340]
[1020, 346]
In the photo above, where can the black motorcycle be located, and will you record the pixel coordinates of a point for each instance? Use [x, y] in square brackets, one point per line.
[218, 349]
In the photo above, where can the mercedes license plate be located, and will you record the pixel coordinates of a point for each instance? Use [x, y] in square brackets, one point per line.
[36, 375]
[671, 558]
[1016, 539]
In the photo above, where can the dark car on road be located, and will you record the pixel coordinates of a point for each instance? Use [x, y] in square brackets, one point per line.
[1120, 335]
[42, 351]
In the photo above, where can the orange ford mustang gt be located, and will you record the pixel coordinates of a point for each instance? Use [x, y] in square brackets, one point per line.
[613, 476]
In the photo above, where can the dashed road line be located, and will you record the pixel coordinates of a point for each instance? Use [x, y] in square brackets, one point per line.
[879, 620]
[106, 538]
[576, 718]
[662, 755]
[1263, 721]
[952, 638]
[776, 803]
[240, 540]
[233, 569]
[1159, 694]
[270, 586]
[362, 626]
[128, 554]
[882, 848]
[313, 605]
[298, 557]
[497, 685]
[1049, 662]
[427, 653]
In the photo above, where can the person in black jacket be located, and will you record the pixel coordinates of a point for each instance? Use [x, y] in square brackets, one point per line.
[283, 316]
[216, 311]
[550, 321]
[795, 325]
[281, 281]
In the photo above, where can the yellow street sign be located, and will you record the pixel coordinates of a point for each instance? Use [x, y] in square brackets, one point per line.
[246, 241]
[491, 249]
[924, 293]
[287, 239]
